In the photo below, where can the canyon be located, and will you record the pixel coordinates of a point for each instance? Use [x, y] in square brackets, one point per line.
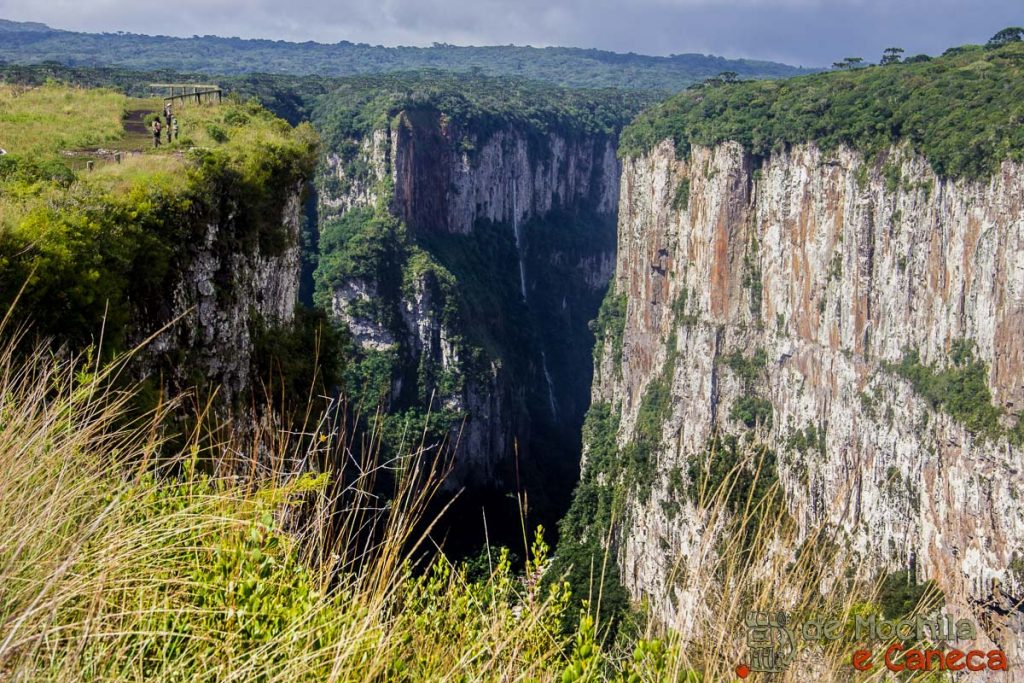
[507, 237]
[549, 303]
[806, 299]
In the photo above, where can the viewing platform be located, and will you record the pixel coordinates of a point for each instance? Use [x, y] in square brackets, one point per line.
[190, 92]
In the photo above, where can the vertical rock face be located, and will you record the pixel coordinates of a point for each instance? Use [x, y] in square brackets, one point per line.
[447, 179]
[217, 300]
[509, 195]
[830, 269]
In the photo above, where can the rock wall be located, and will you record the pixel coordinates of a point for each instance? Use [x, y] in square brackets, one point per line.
[204, 333]
[446, 178]
[443, 180]
[834, 266]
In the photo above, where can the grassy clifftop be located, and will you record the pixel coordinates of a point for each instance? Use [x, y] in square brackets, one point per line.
[84, 243]
[963, 111]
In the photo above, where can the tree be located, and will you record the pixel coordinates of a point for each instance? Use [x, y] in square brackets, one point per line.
[1011, 34]
[848, 63]
[729, 76]
[891, 55]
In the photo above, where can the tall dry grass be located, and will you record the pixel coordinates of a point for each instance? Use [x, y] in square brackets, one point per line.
[120, 561]
[122, 558]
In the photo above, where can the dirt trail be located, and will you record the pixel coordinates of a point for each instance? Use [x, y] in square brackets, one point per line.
[135, 122]
[138, 137]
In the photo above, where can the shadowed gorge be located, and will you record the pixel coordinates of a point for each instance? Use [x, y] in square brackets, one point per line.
[466, 240]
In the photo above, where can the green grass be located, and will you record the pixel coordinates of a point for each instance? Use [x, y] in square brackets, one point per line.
[40, 122]
[962, 111]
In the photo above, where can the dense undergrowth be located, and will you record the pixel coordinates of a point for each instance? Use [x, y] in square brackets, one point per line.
[962, 111]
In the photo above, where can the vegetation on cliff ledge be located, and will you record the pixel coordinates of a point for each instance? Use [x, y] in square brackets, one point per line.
[962, 111]
[960, 389]
[94, 248]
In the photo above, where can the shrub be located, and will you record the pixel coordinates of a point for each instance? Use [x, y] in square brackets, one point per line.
[900, 595]
[217, 133]
[960, 389]
[752, 411]
[610, 326]
[681, 199]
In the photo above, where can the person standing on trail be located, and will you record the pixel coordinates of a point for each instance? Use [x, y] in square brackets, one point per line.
[168, 126]
[174, 124]
[156, 132]
[167, 114]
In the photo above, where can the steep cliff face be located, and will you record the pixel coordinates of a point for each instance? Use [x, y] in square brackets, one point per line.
[507, 245]
[448, 178]
[800, 294]
[218, 298]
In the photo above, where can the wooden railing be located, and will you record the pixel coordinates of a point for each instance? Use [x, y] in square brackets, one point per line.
[189, 92]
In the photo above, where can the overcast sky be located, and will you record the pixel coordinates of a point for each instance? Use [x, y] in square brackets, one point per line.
[803, 32]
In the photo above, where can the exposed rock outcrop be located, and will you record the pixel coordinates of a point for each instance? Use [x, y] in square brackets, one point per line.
[835, 267]
[216, 301]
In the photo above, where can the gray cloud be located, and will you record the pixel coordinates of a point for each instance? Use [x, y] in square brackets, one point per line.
[807, 32]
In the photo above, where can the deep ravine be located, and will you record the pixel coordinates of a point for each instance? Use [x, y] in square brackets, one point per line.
[496, 245]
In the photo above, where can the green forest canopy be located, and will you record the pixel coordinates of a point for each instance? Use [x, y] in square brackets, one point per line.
[574, 67]
[360, 104]
[964, 111]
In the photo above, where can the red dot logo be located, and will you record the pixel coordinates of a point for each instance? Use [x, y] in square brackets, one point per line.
[742, 670]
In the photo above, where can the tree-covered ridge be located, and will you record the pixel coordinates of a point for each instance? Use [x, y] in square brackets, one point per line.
[573, 67]
[361, 104]
[352, 106]
[963, 111]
